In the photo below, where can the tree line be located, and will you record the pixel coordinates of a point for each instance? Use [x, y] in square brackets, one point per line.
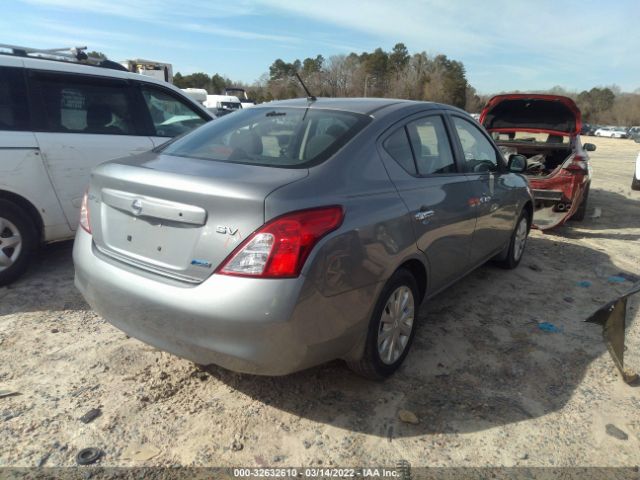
[399, 74]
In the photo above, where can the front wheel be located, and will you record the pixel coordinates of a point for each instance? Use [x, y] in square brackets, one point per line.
[18, 241]
[516, 245]
[635, 183]
[391, 328]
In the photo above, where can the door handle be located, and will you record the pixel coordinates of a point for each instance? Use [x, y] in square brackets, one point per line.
[424, 214]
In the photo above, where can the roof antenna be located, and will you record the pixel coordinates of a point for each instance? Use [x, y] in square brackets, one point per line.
[310, 97]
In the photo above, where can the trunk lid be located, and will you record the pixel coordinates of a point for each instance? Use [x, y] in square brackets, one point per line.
[179, 217]
[553, 114]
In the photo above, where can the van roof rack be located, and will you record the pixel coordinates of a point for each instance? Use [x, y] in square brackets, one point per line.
[68, 54]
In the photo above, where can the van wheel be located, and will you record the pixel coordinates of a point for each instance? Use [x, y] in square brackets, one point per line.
[581, 212]
[391, 328]
[516, 245]
[18, 241]
[635, 184]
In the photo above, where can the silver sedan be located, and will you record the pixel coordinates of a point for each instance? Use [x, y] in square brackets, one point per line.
[297, 232]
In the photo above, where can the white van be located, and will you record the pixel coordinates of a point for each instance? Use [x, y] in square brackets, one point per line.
[58, 120]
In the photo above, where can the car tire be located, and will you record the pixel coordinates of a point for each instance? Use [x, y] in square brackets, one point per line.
[18, 241]
[517, 244]
[391, 331]
[635, 183]
[581, 212]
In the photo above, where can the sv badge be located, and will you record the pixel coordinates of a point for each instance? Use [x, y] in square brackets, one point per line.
[228, 230]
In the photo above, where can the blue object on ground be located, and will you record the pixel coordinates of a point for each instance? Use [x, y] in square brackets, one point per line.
[616, 279]
[548, 327]
[584, 283]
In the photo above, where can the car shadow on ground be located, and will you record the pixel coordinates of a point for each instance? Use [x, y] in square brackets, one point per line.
[47, 284]
[480, 358]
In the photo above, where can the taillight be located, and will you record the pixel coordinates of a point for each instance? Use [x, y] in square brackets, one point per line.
[85, 219]
[577, 165]
[280, 248]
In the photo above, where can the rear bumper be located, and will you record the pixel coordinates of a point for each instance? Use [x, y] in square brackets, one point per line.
[258, 326]
[552, 195]
[557, 197]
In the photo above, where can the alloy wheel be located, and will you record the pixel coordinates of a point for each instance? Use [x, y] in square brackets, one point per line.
[520, 239]
[396, 325]
[10, 244]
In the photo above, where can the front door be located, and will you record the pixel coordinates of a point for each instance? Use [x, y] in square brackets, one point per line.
[493, 196]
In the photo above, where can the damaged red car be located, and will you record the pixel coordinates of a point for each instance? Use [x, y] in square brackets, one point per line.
[545, 129]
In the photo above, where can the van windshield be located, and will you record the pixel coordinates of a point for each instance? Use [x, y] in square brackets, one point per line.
[279, 137]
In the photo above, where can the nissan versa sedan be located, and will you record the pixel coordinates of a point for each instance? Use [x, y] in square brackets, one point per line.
[297, 232]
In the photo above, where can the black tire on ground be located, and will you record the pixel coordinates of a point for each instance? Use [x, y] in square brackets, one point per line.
[371, 364]
[581, 212]
[10, 212]
[512, 259]
[635, 183]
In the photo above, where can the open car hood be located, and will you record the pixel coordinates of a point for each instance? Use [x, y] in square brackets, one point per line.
[534, 113]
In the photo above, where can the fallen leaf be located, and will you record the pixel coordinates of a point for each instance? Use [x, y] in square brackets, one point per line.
[408, 417]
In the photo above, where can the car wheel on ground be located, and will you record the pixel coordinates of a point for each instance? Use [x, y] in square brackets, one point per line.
[18, 241]
[581, 212]
[391, 328]
[516, 245]
[635, 184]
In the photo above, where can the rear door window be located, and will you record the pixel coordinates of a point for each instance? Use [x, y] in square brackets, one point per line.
[14, 108]
[398, 146]
[283, 137]
[170, 115]
[431, 146]
[83, 104]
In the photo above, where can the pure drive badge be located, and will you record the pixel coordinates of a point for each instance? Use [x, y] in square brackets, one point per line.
[200, 263]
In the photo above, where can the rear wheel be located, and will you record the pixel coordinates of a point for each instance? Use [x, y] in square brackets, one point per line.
[391, 328]
[18, 240]
[635, 183]
[581, 212]
[516, 245]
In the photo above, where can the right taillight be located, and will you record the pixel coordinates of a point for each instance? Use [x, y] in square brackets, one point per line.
[85, 219]
[280, 248]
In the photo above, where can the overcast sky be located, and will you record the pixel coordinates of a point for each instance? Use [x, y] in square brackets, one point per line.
[504, 44]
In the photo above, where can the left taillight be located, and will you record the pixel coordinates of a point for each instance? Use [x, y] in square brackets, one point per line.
[577, 165]
[85, 218]
[280, 247]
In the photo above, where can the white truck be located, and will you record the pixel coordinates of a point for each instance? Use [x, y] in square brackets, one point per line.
[241, 93]
[222, 104]
[151, 68]
[197, 94]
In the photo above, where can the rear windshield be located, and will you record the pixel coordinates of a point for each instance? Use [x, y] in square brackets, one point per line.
[279, 137]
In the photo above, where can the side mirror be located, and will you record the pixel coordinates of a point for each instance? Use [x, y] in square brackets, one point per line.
[589, 147]
[517, 163]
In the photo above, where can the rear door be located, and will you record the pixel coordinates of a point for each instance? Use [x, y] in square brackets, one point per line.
[83, 120]
[490, 192]
[419, 158]
[21, 168]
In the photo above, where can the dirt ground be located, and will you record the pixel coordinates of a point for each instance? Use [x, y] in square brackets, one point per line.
[489, 386]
